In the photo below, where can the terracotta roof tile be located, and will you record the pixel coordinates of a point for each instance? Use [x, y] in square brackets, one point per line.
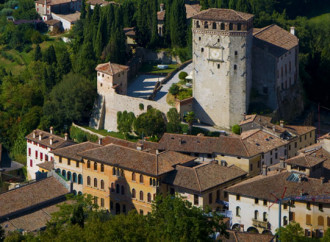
[31, 195]
[111, 68]
[304, 160]
[235, 236]
[48, 165]
[135, 160]
[202, 177]
[54, 2]
[72, 151]
[58, 141]
[221, 14]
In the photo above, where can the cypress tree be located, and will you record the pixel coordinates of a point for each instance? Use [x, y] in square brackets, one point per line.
[242, 5]
[83, 10]
[64, 63]
[142, 29]
[37, 53]
[50, 56]
[178, 23]
[110, 17]
[167, 23]
[232, 4]
[98, 45]
[154, 24]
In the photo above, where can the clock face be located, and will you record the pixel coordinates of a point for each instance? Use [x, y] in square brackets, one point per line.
[215, 54]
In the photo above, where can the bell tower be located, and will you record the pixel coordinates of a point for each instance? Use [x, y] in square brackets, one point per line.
[222, 51]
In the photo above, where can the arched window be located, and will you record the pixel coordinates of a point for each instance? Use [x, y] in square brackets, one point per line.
[117, 188]
[102, 168]
[112, 187]
[118, 174]
[111, 205]
[235, 67]
[256, 214]
[141, 178]
[63, 173]
[141, 195]
[69, 175]
[74, 192]
[197, 24]
[58, 171]
[230, 26]
[238, 211]
[102, 184]
[154, 196]
[222, 26]
[285, 220]
[124, 209]
[74, 177]
[239, 26]
[95, 182]
[206, 25]
[133, 176]
[88, 164]
[80, 179]
[214, 25]
[113, 171]
[149, 198]
[95, 166]
[265, 217]
[154, 182]
[320, 221]
[133, 193]
[122, 190]
[150, 181]
[79, 193]
[117, 208]
[88, 181]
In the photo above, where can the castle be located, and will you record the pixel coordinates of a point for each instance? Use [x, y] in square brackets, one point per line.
[235, 66]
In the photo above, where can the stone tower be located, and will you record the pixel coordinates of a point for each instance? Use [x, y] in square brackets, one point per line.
[222, 46]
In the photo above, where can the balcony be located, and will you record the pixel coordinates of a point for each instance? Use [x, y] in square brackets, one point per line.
[260, 224]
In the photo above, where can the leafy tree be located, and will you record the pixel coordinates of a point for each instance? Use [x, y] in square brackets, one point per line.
[78, 216]
[125, 122]
[292, 232]
[36, 37]
[174, 89]
[190, 119]
[141, 106]
[37, 53]
[49, 55]
[173, 125]
[326, 236]
[232, 4]
[150, 123]
[236, 129]
[183, 75]
[64, 65]
[178, 23]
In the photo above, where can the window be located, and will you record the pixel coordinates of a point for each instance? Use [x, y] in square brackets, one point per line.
[29, 151]
[117, 188]
[141, 195]
[271, 160]
[150, 181]
[36, 154]
[222, 26]
[95, 182]
[112, 187]
[64, 173]
[102, 202]
[236, 53]
[308, 206]
[117, 172]
[321, 207]
[141, 178]
[74, 177]
[133, 176]
[124, 208]
[77, 163]
[69, 175]
[122, 190]
[88, 164]
[256, 200]
[149, 198]
[235, 67]
[210, 198]
[218, 66]
[197, 24]
[256, 214]
[285, 206]
[230, 26]
[214, 26]
[308, 219]
[31, 163]
[206, 25]
[196, 202]
[102, 184]
[88, 181]
[285, 220]
[111, 205]
[172, 191]
[202, 50]
[239, 26]
[133, 193]
[46, 157]
[102, 168]
[251, 167]
[199, 38]
[95, 166]
[95, 200]
[238, 211]
[113, 171]
[141, 211]
[154, 182]
[265, 202]
[218, 195]
[265, 217]
[80, 180]
[328, 221]
[238, 197]
[117, 208]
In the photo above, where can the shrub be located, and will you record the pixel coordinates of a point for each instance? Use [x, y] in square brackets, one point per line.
[27, 48]
[183, 75]
[36, 37]
[185, 93]
[174, 89]
[141, 106]
[236, 129]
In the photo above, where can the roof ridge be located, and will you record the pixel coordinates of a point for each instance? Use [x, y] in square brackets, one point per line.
[50, 134]
[198, 181]
[244, 147]
[111, 67]
[264, 28]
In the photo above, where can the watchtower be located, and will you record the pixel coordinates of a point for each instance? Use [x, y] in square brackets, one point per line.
[222, 51]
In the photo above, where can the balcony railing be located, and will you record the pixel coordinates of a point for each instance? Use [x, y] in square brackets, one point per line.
[260, 224]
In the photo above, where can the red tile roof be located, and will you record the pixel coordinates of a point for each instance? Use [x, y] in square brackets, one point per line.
[72, 151]
[111, 68]
[221, 14]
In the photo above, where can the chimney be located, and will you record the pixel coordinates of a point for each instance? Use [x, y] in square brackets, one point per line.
[264, 170]
[51, 130]
[282, 123]
[282, 162]
[293, 30]
[241, 228]
[40, 136]
[161, 7]
[244, 116]
[100, 141]
[51, 140]
[322, 179]
[139, 146]
[274, 129]
[34, 134]
[66, 136]
[180, 141]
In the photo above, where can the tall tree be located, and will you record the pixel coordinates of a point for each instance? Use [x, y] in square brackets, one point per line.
[49, 55]
[83, 10]
[37, 53]
[142, 28]
[178, 23]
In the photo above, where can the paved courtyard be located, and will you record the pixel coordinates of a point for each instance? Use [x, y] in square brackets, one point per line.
[143, 86]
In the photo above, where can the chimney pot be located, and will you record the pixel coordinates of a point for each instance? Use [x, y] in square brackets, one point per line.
[40, 136]
[66, 136]
[51, 129]
[282, 162]
[34, 134]
[274, 129]
[264, 170]
[282, 123]
[51, 140]
[293, 30]
[139, 146]
[100, 141]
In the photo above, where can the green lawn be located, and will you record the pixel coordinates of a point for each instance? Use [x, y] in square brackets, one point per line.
[152, 68]
[112, 134]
